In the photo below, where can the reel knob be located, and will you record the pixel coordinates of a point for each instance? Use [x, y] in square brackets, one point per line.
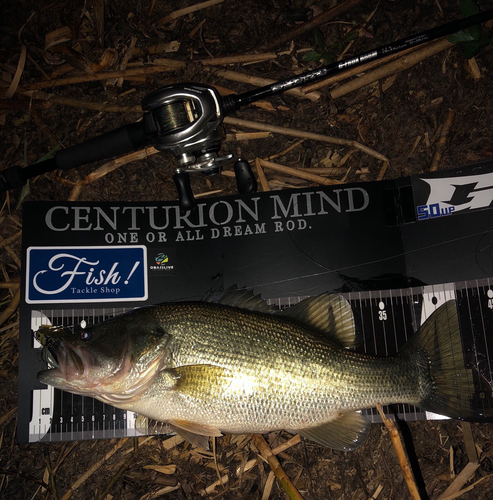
[245, 180]
[185, 195]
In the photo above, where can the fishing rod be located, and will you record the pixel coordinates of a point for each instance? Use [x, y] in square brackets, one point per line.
[185, 119]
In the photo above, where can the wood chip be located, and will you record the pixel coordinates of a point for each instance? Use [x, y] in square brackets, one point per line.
[163, 469]
[467, 473]
[210, 489]
[268, 485]
[261, 176]
[82, 479]
[473, 69]
[160, 493]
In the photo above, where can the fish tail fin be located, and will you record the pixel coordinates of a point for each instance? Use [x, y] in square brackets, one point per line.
[447, 387]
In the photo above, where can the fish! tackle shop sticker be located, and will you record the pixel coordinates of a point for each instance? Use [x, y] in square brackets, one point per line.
[86, 274]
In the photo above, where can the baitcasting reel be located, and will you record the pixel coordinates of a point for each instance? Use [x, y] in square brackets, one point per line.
[186, 120]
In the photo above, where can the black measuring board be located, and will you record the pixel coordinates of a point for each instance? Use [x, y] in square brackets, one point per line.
[380, 244]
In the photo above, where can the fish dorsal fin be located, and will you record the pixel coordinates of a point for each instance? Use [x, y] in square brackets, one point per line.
[328, 313]
[244, 299]
[347, 433]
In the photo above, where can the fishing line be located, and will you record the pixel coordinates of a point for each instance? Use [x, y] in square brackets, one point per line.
[377, 261]
[486, 247]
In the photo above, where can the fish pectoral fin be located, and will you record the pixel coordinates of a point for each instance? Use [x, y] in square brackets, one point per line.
[196, 434]
[330, 314]
[347, 433]
[200, 380]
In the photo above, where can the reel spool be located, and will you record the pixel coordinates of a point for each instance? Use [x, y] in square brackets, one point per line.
[186, 119]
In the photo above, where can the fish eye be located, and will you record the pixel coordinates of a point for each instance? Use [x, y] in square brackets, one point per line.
[86, 335]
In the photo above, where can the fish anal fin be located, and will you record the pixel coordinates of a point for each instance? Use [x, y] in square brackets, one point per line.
[149, 426]
[330, 314]
[195, 433]
[346, 433]
[200, 380]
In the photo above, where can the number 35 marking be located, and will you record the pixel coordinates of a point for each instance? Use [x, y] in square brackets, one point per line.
[382, 313]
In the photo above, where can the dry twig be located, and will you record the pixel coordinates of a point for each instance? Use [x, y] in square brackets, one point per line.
[11, 307]
[269, 456]
[261, 82]
[442, 142]
[171, 65]
[6, 417]
[401, 455]
[323, 18]
[302, 134]
[10, 239]
[109, 167]
[96, 106]
[454, 490]
[297, 172]
[401, 64]
[326, 171]
[93, 469]
[281, 476]
[344, 75]
[188, 10]
[261, 176]
[239, 59]
[13, 284]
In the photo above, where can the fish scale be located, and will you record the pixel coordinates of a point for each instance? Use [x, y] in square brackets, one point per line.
[209, 368]
[293, 369]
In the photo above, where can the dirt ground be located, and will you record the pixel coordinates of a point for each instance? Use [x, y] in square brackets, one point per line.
[399, 116]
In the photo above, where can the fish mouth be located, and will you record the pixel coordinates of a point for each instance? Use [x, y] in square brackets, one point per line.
[67, 363]
[74, 368]
[74, 362]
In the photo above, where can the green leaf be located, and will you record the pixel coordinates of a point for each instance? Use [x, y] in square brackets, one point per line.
[319, 39]
[352, 35]
[48, 155]
[25, 189]
[333, 47]
[460, 36]
[470, 49]
[484, 41]
[328, 57]
[312, 56]
[475, 31]
[468, 7]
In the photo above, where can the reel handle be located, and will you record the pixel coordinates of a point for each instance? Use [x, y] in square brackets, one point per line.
[185, 195]
[245, 180]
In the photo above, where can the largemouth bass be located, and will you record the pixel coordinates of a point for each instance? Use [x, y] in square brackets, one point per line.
[231, 365]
